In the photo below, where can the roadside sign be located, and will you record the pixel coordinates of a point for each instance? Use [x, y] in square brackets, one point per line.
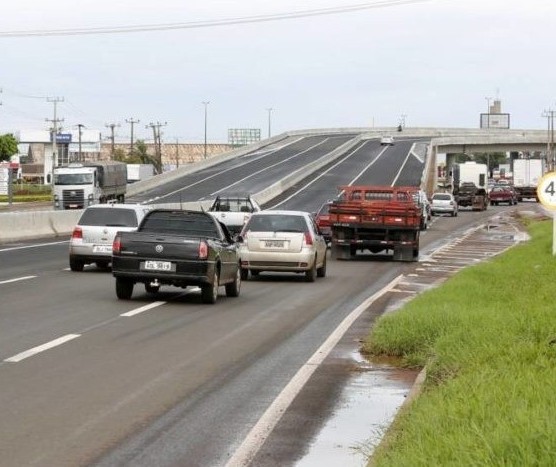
[546, 191]
[4, 180]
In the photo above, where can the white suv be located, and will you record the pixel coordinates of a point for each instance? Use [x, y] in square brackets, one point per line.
[92, 237]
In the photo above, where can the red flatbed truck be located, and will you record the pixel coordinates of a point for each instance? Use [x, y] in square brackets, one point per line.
[375, 218]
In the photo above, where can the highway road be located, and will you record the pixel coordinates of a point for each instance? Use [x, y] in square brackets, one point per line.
[164, 380]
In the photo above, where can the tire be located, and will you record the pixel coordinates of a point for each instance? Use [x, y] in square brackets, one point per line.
[209, 292]
[102, 264]
[76, 265]
[152, 289]
[311, 274]
[233, 289]
[456, 214]
[124, 288]
[255, 273]
[321, 272]
[244, 274]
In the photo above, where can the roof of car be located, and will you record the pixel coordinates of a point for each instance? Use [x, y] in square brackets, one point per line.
[281, 212]
[119, 206]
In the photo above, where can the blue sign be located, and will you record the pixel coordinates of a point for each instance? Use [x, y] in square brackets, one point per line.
[62, 138]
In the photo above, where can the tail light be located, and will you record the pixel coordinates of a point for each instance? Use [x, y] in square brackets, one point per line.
[77, 233]
[203, 250]
[116, 244]
[308, 238]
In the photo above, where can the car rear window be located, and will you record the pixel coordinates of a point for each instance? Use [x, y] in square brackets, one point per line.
[181, 223]
[109, 217]
[442, 197]
[277, 223]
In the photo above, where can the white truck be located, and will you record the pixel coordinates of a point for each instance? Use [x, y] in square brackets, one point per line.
[527, 173]
[469, 179]
[233, 210]
[77, 186]
[138, 172]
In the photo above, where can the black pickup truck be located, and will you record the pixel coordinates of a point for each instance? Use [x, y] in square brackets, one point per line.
[179, 248]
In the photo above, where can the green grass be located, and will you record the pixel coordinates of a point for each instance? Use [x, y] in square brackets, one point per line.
[488, 340]
[22, 193]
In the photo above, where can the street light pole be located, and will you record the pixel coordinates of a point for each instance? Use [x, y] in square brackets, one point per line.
[270, 109]
[205, 103]
[488, 99]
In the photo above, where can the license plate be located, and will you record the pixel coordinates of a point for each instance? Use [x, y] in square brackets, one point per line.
[158, 265]
[274, 244]
[102, 248]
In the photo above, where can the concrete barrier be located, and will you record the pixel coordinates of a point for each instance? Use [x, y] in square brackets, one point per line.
[29, 225]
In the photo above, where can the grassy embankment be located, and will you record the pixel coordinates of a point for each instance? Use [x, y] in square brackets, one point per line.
[26, 192]
[488, 340]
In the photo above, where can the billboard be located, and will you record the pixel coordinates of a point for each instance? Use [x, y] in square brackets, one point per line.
[243, 136]
[495, 121]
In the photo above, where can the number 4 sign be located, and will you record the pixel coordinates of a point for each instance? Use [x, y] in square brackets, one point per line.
[546, 191]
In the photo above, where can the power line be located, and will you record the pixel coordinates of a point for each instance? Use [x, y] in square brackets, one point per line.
[208, 23]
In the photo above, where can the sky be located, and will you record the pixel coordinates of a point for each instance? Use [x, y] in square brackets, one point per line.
[435, 63]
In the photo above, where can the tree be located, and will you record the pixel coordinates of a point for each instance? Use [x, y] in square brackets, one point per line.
[8, 146]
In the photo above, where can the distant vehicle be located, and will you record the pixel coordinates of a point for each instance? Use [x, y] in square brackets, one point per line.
[387, 140]
[444, 203]
[139, 172]
[503, 194]
[92, 237]
[282, 241]
[527, 174]
[464, 176]
[420, 198]
[234, 210]
[376, 218]
[78, 186]
[179, 248]
[322, 218]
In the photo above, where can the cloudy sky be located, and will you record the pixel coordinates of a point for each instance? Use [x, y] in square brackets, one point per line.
[436, 62]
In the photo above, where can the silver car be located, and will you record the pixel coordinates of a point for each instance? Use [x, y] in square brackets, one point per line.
[288, 241]
[444, 203]
[92, 237]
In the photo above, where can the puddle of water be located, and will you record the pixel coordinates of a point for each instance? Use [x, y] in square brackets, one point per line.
[366, 408]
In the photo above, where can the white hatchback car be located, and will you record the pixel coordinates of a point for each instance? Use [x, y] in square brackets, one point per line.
[444, 203]
[387, 140]
[287, 241]
[92, 237]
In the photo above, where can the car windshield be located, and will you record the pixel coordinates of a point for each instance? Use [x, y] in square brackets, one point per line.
[109, 217]
[277, 223]
[442, 197]
[73, 179]
[233, 205]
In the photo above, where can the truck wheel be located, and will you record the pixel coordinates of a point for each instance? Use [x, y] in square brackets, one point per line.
[311, 274]
[321, 272]
[152, 288]
[124, 288]
[232, 290]
[209, 292]
[76, 265]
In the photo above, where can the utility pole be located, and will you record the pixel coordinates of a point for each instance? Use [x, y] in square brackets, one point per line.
[157, 142]
[269, 110]
[206, 103]
[132, 123]
[112, 137]
[177, 153]
[55, 120]
[80, 127]
[488, 99]
[549, 114]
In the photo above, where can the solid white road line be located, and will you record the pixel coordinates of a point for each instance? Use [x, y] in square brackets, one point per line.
[245, 454]
[32, 246]
[17, 279]
[41, 348]
[142, 309]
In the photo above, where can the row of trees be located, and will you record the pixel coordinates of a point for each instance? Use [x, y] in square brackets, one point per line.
[8, 147]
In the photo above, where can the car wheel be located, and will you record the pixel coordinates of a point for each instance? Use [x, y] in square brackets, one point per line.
[233, 289]
[311, 274]
[209, 292]
[456, 213]
[152, 288]
[321, 272]
[124, 288]
[76, 265]
[255, 273]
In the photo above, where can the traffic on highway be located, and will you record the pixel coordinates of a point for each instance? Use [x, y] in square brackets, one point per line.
[160, 377]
